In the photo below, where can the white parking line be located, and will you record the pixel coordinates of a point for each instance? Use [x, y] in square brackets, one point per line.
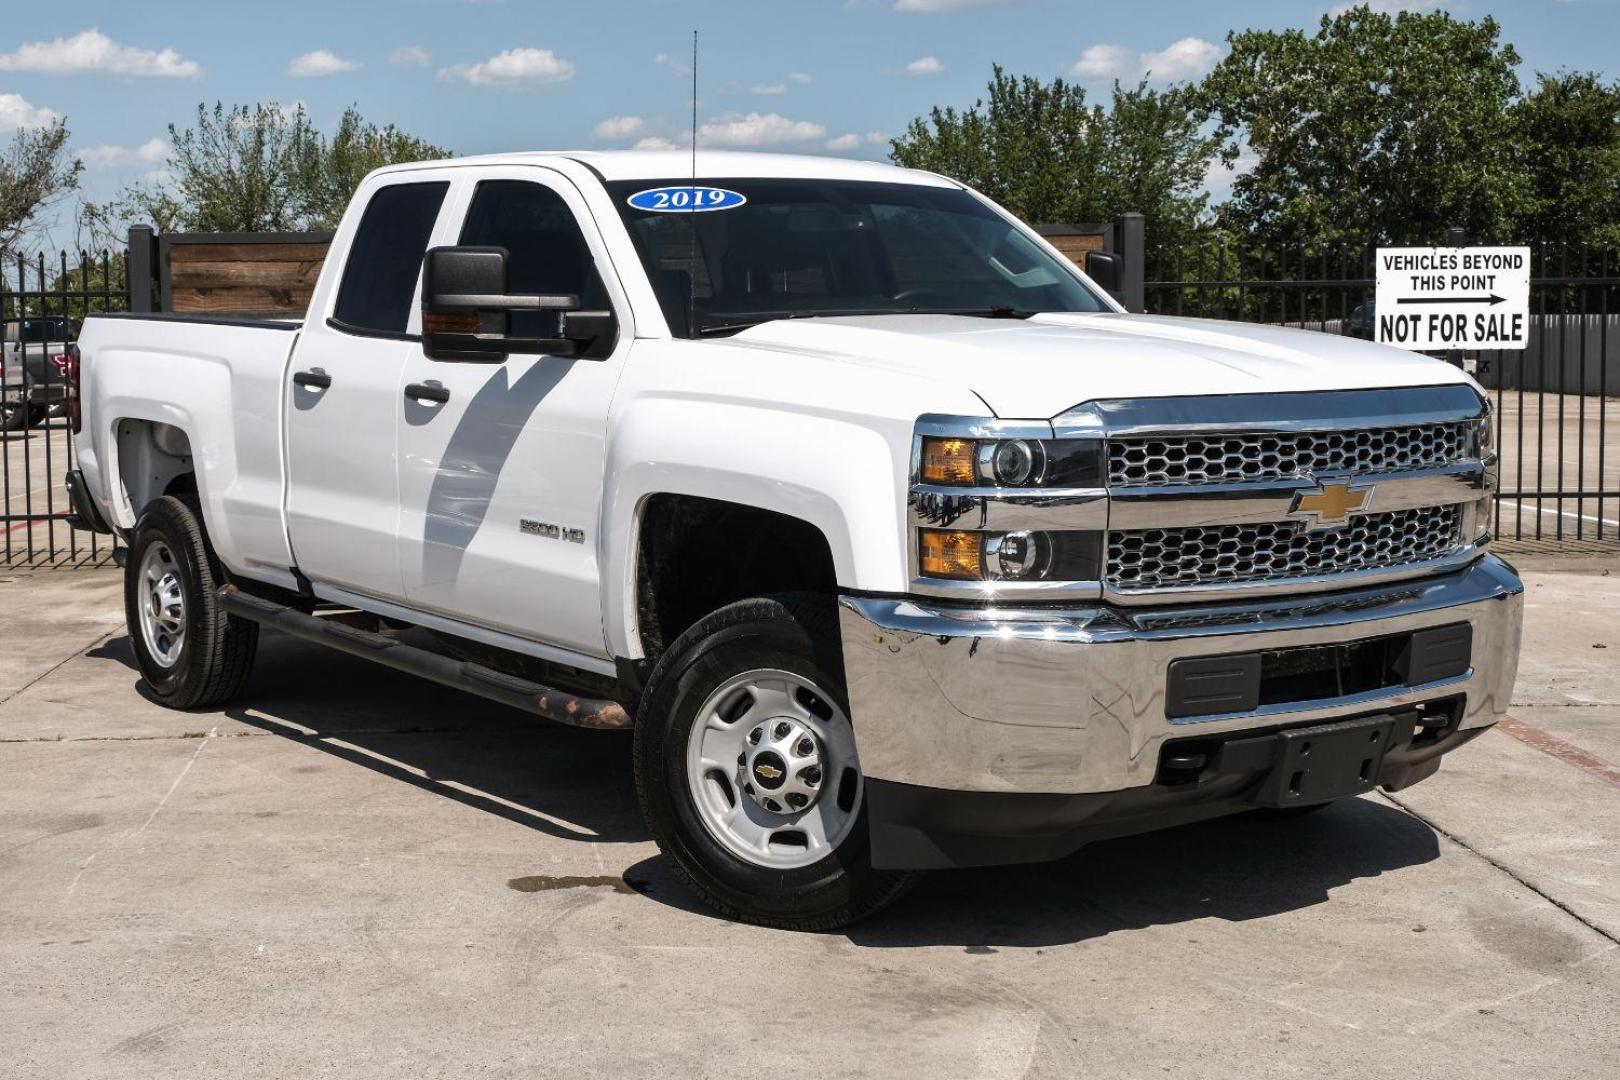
[1563, 513]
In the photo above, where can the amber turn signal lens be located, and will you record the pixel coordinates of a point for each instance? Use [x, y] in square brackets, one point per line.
[949, 553]
[948, 461]
[445, 322]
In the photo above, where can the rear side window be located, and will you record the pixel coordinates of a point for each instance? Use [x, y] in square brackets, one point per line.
[386, 257]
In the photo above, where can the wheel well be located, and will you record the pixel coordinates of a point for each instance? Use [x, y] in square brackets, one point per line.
[154, 459]
[695, 555]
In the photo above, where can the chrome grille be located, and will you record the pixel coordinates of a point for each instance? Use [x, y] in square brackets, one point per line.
[1204, 556]
[1225, 459]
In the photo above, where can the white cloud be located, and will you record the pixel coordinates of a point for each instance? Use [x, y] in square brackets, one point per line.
[151, 153]
[934, 7]
[618, 127]
[758, 129]
[878, 137]
[676, 67]
[514, 69]
[770, 89]
[800, 77]
[1104, 62]
[1188, 58]
[850, 141]
[927, 65]
[410, 56]
[1218, 178]
[91, 52]
[17, 113]
[321, 62]
[656, 142]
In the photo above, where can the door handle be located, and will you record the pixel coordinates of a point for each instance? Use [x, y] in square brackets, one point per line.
[312, 380]
[427, 393]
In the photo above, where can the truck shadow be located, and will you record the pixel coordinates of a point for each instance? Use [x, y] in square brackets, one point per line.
[577, 785]
[1235, 869]
[560, 781]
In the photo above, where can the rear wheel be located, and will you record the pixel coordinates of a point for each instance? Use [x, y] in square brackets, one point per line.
[13, 417]
[747, 771]
[190, 652]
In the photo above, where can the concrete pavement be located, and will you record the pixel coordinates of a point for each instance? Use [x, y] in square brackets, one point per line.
[356, 874]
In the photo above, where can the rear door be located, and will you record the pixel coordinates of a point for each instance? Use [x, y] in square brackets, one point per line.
[343, 392]
[501, 483]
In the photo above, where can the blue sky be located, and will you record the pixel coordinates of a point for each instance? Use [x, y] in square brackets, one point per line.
[824, 76]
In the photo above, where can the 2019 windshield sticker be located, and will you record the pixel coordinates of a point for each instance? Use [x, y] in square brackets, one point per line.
[689, 199]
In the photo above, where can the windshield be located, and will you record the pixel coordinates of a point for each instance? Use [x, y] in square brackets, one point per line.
[35, 331]
[799, 248]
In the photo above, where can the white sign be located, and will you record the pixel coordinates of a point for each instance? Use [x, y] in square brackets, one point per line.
[1437, 299]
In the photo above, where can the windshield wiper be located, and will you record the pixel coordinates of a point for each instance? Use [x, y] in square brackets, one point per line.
[1002, 312]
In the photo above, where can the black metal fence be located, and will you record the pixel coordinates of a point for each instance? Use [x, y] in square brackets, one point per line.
[1558, 416]
[43, 300]
[1558, 420]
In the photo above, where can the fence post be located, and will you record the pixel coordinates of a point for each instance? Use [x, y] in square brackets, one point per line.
[142, 269]
[1130, 233]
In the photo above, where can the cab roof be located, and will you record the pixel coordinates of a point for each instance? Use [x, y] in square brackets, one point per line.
[714, 164]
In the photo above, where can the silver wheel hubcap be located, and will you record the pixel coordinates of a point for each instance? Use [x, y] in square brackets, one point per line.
[162, 600]
[772, 769]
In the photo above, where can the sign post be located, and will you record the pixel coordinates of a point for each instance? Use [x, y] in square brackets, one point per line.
[1439, 299]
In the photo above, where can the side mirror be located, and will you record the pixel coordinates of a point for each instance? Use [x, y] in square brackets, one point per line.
[1107, 270]
[467, 312]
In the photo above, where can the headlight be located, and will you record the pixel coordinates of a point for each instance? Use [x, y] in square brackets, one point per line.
[1485, 433]
[1010, 463]
[971, 555]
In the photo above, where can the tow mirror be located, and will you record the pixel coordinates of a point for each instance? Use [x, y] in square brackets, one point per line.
[467, 312]
[1107, 270]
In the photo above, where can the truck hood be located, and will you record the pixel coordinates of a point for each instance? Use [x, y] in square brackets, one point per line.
[1048, 364]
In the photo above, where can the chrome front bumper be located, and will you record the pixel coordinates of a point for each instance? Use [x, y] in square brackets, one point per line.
[1072, 701]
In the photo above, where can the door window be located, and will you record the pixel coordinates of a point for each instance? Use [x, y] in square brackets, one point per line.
[385, 259]
[546, 251]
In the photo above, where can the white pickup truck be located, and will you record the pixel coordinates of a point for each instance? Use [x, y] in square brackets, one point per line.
[896, 541]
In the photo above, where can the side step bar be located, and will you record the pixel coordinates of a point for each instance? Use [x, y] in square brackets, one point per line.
[554, 705]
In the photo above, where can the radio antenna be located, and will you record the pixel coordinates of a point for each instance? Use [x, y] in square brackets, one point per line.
[691, 222]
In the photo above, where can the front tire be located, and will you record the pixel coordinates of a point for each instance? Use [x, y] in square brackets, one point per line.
[190, 652]
[746, 769]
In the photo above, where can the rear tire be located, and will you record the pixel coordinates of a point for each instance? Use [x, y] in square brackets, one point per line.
[770, 667]
[190, 652]
[13, 417]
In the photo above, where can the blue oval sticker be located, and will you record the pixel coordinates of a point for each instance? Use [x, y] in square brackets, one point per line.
[686, 200]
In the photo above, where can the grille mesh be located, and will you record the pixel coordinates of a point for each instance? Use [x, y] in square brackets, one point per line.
[1226, 459]
[1229, 554]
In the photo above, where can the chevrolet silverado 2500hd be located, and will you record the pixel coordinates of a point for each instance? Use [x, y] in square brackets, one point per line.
[895, 540]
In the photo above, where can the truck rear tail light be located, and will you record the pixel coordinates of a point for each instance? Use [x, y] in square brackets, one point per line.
[69, 365]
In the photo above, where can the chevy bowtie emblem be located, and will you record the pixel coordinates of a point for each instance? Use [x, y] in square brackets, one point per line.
[769, 772]
[1330, 505]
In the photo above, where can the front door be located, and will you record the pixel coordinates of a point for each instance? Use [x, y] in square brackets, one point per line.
[501, 483]
[344, 404]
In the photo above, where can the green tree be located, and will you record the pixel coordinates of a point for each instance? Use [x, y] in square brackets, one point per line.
[1570, 139]
[1375, 128]
[1039, 150]
[259, 168]
[35, 170]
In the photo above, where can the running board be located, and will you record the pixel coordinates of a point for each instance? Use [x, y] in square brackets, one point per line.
[554, 705]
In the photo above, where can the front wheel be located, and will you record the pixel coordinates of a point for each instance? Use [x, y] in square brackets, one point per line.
[747, 772]
[191, 653]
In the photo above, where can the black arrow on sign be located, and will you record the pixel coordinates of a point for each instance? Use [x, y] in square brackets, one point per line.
[1492, 300]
